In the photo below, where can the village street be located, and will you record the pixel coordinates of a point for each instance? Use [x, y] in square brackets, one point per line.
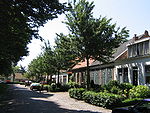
[23, 100]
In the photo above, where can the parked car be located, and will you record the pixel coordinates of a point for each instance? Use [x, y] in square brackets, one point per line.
[28, 83]
[43, 82]
[1, 81]
[142, 107]
[35, 86]
[7, 81]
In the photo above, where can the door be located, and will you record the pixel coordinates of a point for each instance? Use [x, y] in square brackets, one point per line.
[135, 76]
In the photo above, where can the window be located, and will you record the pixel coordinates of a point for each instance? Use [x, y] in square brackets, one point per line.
[147, 79]
[109, 74]
[147, 68]
[146, 47]
[103, 76]
[125, 75]
[96, 78]
[130, 51]
[120, 75]
[134, 50]
[147, 74]
[139, 49]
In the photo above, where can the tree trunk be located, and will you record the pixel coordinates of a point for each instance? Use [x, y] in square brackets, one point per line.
[13, 79]
[58, 78]
[88, 74]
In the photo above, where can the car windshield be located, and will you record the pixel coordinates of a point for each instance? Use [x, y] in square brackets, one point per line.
[143, 107]
[35, 84]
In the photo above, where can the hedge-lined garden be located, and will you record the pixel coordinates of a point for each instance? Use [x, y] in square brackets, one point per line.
[112, 95]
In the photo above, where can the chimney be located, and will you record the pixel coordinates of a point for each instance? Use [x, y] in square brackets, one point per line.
[135, 37]
[146, 33]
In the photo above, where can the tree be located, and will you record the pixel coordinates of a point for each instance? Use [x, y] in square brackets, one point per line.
[19, 21]
[17, 69]
[95, 38]
[48, 63]
[64, 53]
[35, 68]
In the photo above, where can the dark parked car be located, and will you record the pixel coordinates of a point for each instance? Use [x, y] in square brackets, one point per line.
[142, 107]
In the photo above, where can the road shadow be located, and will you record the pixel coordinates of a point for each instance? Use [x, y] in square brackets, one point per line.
[22, 100]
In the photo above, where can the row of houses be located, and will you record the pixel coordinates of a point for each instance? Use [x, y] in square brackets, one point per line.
[130, 63]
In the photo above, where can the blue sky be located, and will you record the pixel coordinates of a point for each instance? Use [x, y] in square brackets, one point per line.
[133, 14]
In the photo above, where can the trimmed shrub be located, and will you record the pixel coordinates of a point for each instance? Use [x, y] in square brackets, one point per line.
[76, 93]
[129, 102]
[64, 88]
[125, 88]
[102, 99]
[115, 90]
[45, 87]
[97, 88]
[72, 84]
[112, 83]
[139, 92]
[58, 88]
[53, 87]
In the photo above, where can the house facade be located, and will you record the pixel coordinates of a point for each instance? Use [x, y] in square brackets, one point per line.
[134, 67]
[130, 63]
[79, 72]
[101, 73]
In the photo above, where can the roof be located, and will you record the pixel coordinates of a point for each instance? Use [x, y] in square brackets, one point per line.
[118, 52]
[96, 62]
[82, 64]
[121, 49]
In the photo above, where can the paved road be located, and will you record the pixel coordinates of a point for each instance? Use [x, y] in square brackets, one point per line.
[22, 100]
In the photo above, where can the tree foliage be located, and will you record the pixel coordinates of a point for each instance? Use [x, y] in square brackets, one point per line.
[66, 51]
[54, 60]
[19, 21]
[95, 38]
[35, 68]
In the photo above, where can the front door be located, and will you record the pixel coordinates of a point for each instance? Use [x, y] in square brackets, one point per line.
[135, 76]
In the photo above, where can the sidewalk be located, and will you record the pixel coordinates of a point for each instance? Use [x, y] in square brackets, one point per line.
[64, 101]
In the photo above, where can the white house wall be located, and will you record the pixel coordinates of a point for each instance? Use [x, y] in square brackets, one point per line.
[95, 76]
[130, 63]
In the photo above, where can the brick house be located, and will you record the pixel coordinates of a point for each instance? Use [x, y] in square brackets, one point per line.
[79, 72]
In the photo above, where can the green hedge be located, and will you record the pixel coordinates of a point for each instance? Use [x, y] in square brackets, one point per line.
[106, 100]
[102, 99]
[76, 93]
[129, 102]
[72, 84]
[139, 92]
[58, 88]
[115, 87]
